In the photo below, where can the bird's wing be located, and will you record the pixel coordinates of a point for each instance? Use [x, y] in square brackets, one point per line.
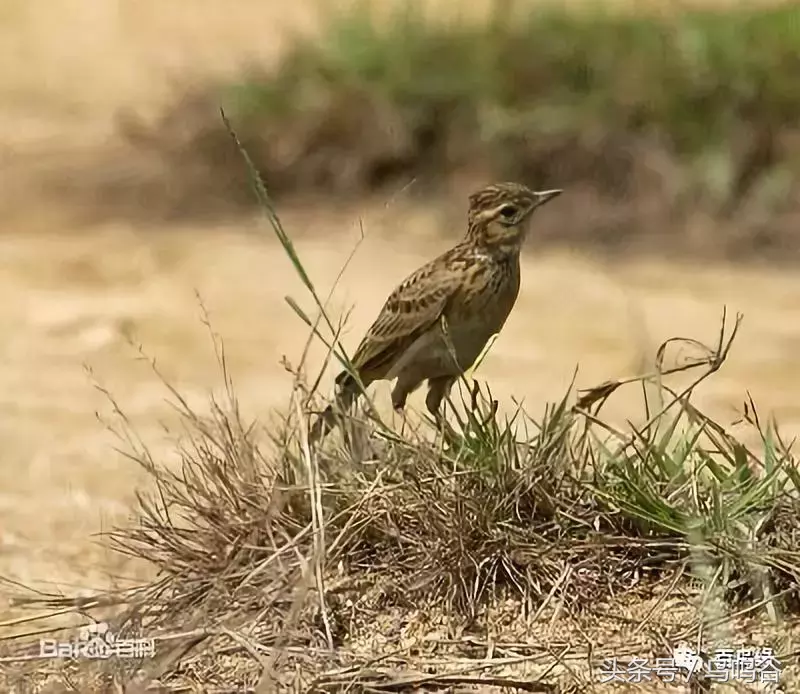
[411, 309]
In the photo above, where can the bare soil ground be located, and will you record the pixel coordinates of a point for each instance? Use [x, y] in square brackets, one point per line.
[74, 291]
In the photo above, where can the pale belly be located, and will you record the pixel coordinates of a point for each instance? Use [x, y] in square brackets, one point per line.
[431, 355]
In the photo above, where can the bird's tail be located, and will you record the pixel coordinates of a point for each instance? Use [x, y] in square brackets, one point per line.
[349, 391]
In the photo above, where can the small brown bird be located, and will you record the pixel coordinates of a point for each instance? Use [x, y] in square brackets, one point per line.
[436, 323]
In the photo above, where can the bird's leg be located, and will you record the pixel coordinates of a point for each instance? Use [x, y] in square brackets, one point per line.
[399, 400]
[403, 388]
[407, 382]
[438, 388]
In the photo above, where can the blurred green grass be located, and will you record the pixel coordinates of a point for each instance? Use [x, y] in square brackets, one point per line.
[692, 78]
[677, 132]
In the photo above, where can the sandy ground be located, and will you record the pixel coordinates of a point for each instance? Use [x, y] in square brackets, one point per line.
[72, 294]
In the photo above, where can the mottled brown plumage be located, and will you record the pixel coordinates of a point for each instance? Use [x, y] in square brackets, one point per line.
[468, 291]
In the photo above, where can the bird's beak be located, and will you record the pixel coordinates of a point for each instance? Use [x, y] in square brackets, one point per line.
[544, 196]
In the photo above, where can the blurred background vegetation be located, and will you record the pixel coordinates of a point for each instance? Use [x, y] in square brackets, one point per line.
[653, 120]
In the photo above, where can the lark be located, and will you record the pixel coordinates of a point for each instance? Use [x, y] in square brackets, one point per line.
[436, 323]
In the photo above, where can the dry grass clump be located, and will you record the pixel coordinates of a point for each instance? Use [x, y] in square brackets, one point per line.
[281, 564]
[273, 558]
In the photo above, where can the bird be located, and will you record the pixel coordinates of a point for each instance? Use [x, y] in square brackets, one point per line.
[437, 321]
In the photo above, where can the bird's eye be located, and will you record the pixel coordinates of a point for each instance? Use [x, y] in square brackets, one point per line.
[508, 211]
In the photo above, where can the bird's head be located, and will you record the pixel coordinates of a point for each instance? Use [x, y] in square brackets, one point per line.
[499, 214]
